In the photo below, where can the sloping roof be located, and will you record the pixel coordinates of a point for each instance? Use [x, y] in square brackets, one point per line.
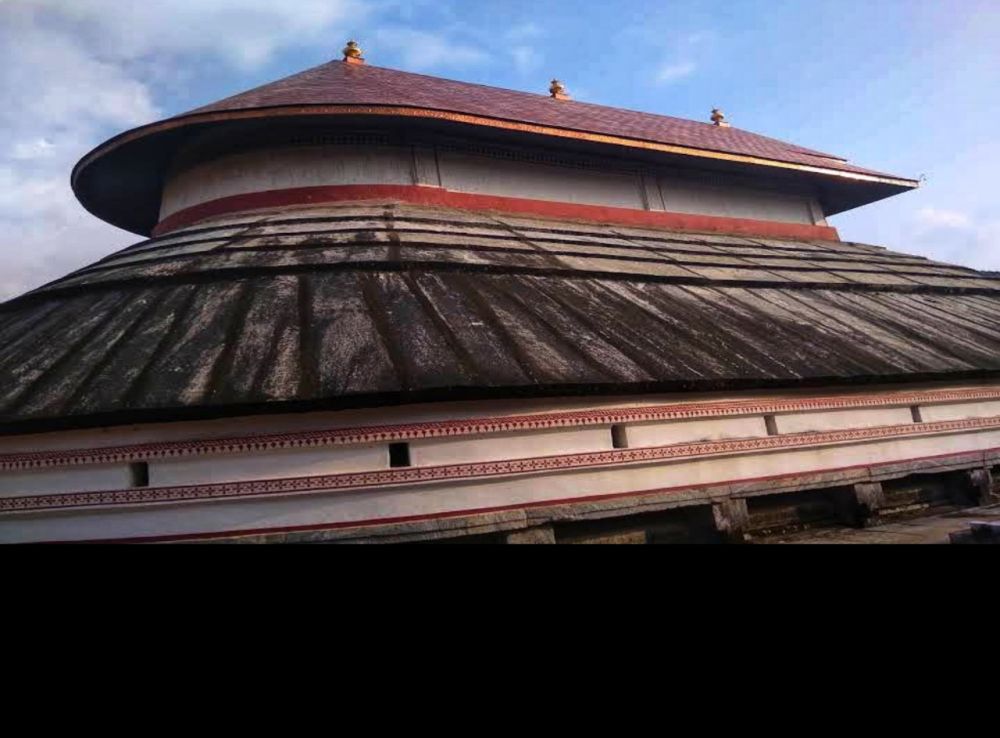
[121, 181]
[337, 83]
[384, 303]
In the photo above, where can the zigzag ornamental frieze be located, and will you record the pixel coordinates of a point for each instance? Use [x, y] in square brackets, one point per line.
[418, 475]
[473, 426]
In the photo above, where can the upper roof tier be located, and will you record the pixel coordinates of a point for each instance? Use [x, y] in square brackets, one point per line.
[337, 83]
[115, 180]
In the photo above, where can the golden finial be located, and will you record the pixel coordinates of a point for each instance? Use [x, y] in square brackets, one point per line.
[352, 53]
[719, 118]
[558, 90]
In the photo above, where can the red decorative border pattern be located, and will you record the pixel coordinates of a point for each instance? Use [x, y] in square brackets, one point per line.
[472, 426]
[418, 475]
[977, 455]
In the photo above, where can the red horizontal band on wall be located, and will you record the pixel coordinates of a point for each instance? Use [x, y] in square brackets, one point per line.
[440, 197]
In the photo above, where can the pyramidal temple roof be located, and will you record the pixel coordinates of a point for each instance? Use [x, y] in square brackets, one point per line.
[121, 180]
[373, 301]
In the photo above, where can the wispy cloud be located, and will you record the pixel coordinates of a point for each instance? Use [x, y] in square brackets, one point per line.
[957, 237]
[674, 71]
[683, 58]
[75, 73]
[32, 149]
[524, 32]
[939, 218]
[526, 59]
[668, 53]
[524, 46]
[423, 50]
[244, 33]
[698, 37]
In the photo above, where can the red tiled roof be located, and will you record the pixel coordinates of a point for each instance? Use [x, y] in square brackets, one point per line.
[338, 83]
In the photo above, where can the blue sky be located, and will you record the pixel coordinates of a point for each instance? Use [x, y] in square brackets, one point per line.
[904, 86]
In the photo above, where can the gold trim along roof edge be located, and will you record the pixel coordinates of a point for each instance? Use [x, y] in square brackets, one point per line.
[414, 112]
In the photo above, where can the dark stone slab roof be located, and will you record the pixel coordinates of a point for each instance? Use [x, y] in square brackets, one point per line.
[383, 303]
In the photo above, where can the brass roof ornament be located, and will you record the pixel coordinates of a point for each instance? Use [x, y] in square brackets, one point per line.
[719, 118]
[557, 90]
[352, 53]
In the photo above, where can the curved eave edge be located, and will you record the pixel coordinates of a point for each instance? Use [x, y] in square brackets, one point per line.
[12, 425]
[477, 120]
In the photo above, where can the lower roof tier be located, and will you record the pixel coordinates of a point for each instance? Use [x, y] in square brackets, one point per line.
[381, 303]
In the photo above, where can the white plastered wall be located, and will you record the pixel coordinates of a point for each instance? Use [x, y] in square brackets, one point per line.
[407, 501]
[331, 165]
[468, 493]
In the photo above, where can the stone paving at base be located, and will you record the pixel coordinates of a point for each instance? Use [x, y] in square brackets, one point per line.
[929, 529]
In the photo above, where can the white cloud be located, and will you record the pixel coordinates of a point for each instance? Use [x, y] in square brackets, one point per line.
[243, 32]
[936, 218]
[675, 71]
[421, 50]
[665, 51]
[525, 58]
[524, 46]
[75, 72]
[957, 237]
[37, 148]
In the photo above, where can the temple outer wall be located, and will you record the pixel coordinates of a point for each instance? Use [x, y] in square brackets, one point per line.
[687, 453]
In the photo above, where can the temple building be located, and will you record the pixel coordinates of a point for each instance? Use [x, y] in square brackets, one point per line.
[370, 305]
